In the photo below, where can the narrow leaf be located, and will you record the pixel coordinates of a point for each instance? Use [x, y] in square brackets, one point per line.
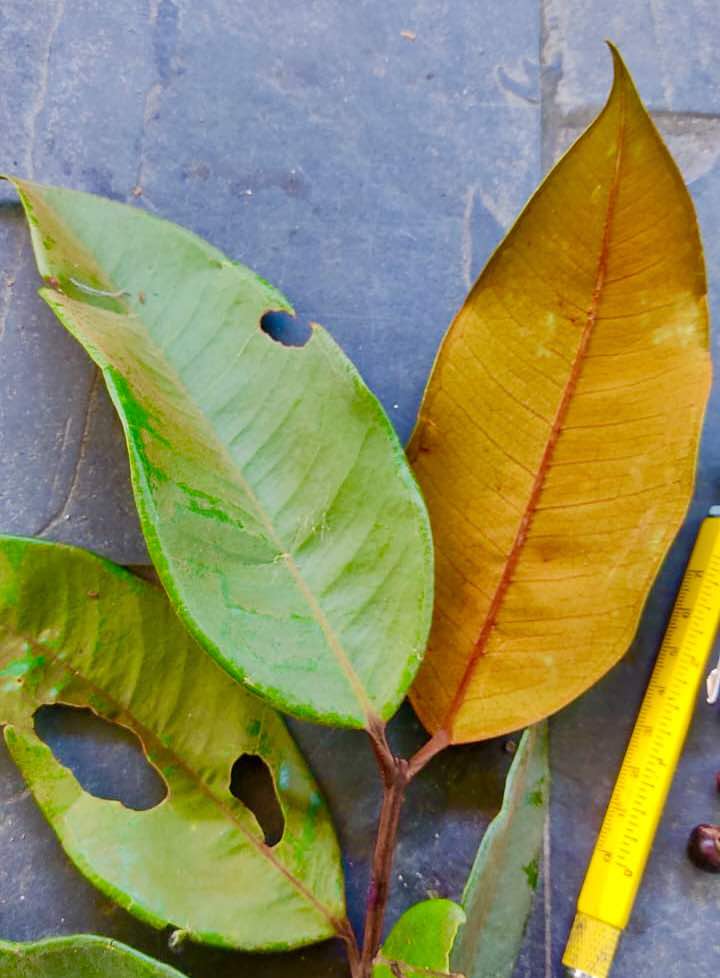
[557, 439]
[275, 498]
[499, 893]
[419, 944]
[75, 629]
[84, 956]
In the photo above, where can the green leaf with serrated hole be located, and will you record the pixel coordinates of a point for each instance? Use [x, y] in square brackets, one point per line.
[81, 956]
[274, 495]
[419, 944]
[78, 630]
[499, 893]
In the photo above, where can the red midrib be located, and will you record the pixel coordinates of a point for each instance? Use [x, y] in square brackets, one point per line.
[557, 425]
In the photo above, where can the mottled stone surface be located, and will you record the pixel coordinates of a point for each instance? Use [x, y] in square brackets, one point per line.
[368, 175]
[671, 47]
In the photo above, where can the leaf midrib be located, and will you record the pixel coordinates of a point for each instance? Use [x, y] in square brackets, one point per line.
[332, 639]
[556, 428]
[146, 735]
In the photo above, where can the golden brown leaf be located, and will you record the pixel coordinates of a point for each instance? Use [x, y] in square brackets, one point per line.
[557, 439]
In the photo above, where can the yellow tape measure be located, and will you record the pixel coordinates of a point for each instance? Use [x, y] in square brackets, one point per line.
[636, 805]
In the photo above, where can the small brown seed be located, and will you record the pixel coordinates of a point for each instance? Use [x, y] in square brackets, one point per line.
[703, 847]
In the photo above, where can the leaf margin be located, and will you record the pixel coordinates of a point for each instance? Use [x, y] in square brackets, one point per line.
[117, 389]
[147, 967]
[527, 785]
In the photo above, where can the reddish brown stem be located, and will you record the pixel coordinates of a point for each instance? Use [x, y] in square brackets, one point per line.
[438, 742]
[385, 758]
[347, 935]
[393, 795]
[396, 774]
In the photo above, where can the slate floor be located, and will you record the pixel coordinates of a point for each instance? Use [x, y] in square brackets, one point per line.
[365, 157]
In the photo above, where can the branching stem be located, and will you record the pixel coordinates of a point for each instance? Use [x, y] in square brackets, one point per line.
[396, 774]
[438, 742]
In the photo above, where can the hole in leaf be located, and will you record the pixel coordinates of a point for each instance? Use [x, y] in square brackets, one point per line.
[285, 329]
[252, 783]
[107, 759]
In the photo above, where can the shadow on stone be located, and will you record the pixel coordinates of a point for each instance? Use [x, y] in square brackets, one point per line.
[252, 784]
[107, 759]
[285, 329]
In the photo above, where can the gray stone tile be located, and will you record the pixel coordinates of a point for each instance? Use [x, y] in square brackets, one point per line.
[72, 110]
[670, 47]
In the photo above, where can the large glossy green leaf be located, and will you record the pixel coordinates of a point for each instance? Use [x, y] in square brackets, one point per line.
[75, 629]
[419, 944]
[275, 498]
[84, 956]
[499, 893]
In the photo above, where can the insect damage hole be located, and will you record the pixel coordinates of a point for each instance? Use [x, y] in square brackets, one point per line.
[107, 759]
[252, 783]
[285, 329]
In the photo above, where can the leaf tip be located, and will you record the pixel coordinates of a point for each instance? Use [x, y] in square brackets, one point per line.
[620, 70]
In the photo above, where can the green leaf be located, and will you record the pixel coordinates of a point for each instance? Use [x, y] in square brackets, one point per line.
[83, 956]
[275, 498]
[419, 944]
[499, 893]
[76, 629]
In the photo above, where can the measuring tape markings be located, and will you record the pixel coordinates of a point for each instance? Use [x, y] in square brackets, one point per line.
[645, 777]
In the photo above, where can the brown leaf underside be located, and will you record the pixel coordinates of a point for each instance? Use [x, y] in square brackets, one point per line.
[439, 708]
[555, 430]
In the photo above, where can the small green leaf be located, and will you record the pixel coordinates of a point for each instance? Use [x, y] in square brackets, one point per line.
[501, 886]
[274, 495]
[84, 956]
[76, 629]
[419, 944]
